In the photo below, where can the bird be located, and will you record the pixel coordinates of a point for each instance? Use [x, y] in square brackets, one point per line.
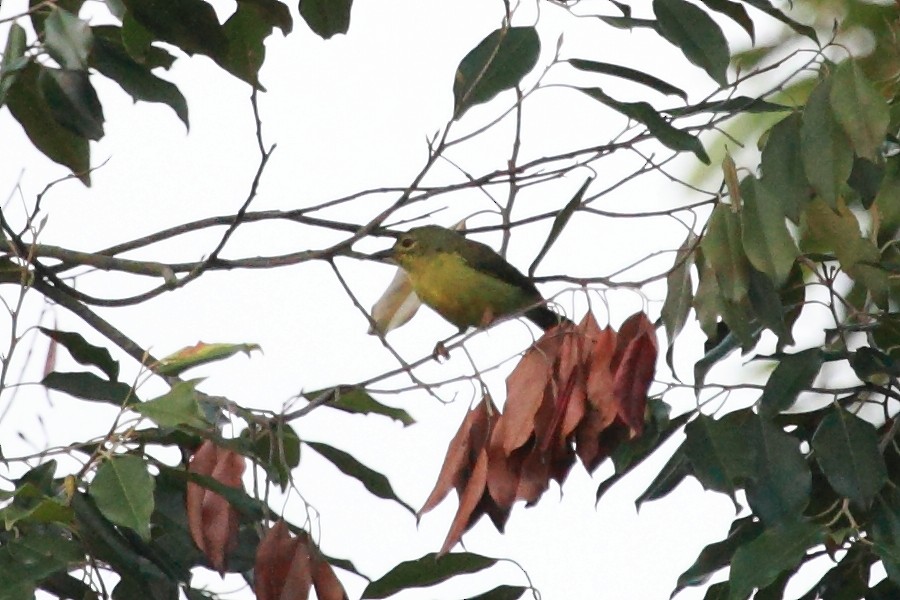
[467, 282]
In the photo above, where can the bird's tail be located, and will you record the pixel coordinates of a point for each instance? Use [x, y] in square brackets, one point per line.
[545, 318]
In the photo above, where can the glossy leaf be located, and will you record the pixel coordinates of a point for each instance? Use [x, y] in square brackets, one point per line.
[860, 109]
[426, 571]
[667, 479]
[783, 174]
[58, 143]
[326, 17]
[793, 374]
[123, 491]
[67, 39]
[767, 7]
[696, 34]
[781, 486]
[642, 112]
[718, 555]
[497, 63]
[373, 481]
[83, 352]
[846, 448]
[13, 59]
[760, 561]
[634, 75]
[73, 101]
[88, 386]
[736, 12]
[769, 245]
[718, 453]
[176, 407]
[111, 59]
[827, 153]
[191, 25]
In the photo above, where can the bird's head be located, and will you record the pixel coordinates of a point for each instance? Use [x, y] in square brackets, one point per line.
[419, 243]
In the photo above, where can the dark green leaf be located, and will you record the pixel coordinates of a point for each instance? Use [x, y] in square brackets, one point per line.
[668, 135]
[781, 485]
[764, 234]
[191, 25]
[246, 31]
[874, 365]
[718, 555]
[502, 592]
[679, 291]
[673, 472]
[793, 374]
[273, 12]
[13, 59]
[67, 39]
[696, 34]
[768, 307]
[39, 11]
[426, 571]
[73, 101]
[34, 556]
[718, 453]
[630, 74]
[846, 448]
[723, 249]
[326, 17]
[277, 447]
[83, 352]
[735, 105]
[497, 63]
[177, 407]
[63, 585]
[827, 154]
[27, 105]
[111, 59]
[766, 7]
[123, 491]
[886, 533]
[356, 400]
[717, 591]
[559, 223]
[782, 167]
[373, 481]
[88, 386]
[759, 562]
[860, 109]
[736, 12]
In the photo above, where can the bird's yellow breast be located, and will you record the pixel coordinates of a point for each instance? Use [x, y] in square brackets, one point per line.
[461, 294]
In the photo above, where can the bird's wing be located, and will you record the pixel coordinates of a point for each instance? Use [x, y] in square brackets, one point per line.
[488, 261]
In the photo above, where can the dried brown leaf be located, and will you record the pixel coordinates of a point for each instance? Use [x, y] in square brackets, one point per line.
[298, 582]
[274, 556]
[469, 500]
[220, 519]
[202, 462]
[633, 379]
[327, 585]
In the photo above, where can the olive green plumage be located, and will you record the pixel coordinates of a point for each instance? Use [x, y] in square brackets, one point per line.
[465, 281]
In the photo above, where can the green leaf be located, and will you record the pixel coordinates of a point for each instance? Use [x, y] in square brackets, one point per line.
[246, 31]
[826, 151]
[357, 400]
[73, 101]
[111, 59]
[642, 112]
[426, 571]
[559, 223]
[679, 291]
[630, 74]
[768, 307]
[13, 59]
[764, 234]
[760, 561]
[502, 592]
[27, 105]
[191, 25]
[718, 453]
[846, 448]
[177, 407]
[33, 556]
[734, 11]
[123, 491]
[793, 374]
[734, 105]
[696, 34]
[67, 39]
[376, 483]
[88, 386]
[326, 17]
[718, 555]
[277, 447]
[723, 249]
[782, 167]
[766, 7]
[860, 109]
[667, 479]
[497, 63]
[83, 352]
[199, 354]
[885, 532]
[781, 486]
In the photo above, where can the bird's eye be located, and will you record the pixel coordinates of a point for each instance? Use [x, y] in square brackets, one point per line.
[407, 242]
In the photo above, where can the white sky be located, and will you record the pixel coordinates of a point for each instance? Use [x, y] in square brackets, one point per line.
[349, 114]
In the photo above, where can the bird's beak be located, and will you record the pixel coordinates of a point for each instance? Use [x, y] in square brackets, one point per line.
[383, 255]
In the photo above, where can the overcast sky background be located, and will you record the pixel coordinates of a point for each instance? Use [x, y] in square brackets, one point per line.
[349, 114]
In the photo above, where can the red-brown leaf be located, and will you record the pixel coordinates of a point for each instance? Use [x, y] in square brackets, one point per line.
[220, 519]
[299, 576]
[504, 472]
[274, 556]
[632, 328]
[327, 585]
[466, 514]
[633, 379]
[202, 463]
[462, 453]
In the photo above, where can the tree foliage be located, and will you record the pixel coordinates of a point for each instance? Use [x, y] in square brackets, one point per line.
[811, 222]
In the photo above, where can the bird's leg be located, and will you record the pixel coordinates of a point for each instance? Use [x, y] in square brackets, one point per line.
[440, 349]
